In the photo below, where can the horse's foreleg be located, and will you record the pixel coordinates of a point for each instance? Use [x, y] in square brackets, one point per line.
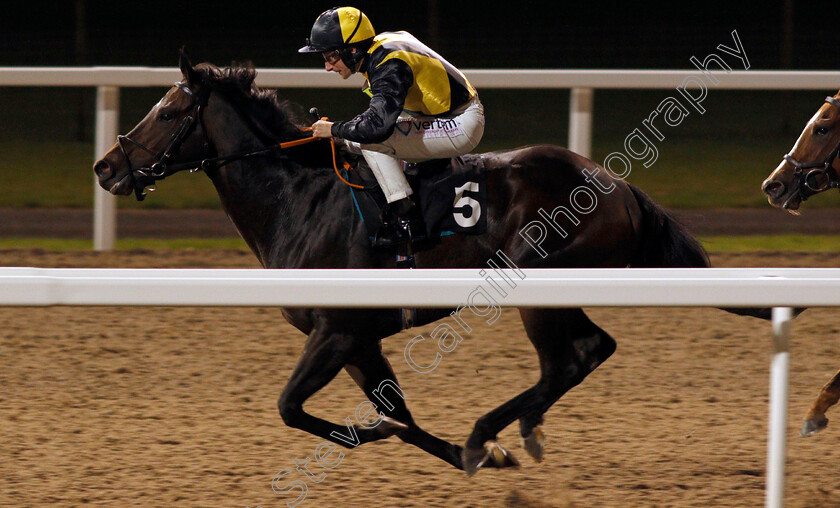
[569, 347]
[374, 375]
[324, 355]
[815, 421]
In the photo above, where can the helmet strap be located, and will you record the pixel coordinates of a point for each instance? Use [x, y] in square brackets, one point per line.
[350, 59]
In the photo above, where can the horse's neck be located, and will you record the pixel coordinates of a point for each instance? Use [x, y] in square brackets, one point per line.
[289, 216]
[290, 212]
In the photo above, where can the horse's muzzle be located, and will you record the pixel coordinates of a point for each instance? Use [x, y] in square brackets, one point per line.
[785, 196]
[778, 192]
[102, 170]
[109, 181]
[773, 188]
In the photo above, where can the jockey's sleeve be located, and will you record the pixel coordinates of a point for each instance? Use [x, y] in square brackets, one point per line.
[389, 84]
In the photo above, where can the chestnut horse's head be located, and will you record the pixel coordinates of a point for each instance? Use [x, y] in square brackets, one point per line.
[171, 132]
[809, 168]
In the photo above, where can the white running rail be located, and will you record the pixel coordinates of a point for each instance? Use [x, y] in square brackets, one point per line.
[637, 287]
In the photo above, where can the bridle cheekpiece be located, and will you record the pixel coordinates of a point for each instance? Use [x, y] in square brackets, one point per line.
[146, 176]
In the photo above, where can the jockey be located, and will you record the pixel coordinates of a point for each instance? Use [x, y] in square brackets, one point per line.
[421, 108]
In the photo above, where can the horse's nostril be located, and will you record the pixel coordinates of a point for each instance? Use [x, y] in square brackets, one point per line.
[773, 189]
[102, 169]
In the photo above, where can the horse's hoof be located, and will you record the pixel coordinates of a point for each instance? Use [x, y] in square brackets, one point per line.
[491, 455]
[534, 443]
[813, 425]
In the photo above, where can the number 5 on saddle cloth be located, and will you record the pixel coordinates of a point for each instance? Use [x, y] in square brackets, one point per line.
[451, 194]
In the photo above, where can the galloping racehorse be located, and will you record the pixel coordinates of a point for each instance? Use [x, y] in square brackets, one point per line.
[294, 213]
[808, 169]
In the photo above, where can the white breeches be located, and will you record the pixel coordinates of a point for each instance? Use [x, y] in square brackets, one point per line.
[418, 138]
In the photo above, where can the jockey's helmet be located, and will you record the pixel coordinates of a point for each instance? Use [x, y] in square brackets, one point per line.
[341, 28]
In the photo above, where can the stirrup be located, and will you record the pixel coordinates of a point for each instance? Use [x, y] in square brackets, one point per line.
[400, 232]
[402, 223]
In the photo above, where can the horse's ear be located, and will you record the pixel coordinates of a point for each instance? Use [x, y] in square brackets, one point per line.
[187, 69]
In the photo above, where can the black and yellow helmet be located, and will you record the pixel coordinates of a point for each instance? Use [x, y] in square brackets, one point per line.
[338, 28]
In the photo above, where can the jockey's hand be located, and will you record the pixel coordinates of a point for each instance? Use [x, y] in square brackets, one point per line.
[322, 129]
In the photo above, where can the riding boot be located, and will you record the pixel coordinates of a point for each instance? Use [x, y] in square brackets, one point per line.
[402, 223]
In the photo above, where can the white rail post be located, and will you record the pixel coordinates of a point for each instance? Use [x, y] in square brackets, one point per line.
[580, 121]
[104, 203]
[776, 439]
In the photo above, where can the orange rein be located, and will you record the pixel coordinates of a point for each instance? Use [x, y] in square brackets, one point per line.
[303, 141]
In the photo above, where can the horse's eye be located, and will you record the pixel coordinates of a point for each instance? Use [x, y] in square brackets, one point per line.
[820, 131]
[165, 116]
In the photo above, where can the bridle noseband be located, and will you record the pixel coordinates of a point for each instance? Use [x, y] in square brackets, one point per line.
[815, 177]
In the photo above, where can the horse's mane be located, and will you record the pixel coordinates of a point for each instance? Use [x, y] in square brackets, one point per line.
[237, 84]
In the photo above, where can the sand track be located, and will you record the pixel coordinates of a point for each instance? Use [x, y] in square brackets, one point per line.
[177, 406]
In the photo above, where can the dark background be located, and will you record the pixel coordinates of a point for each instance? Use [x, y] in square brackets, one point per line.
[484, 34]
[776, 34]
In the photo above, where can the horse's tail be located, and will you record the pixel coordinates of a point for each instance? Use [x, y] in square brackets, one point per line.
[667, 244]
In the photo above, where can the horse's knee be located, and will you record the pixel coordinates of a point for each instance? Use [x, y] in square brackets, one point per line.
[607, 346]
[290, 412]
[592, 350]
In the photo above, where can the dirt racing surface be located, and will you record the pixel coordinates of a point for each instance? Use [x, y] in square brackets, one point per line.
[117, 406]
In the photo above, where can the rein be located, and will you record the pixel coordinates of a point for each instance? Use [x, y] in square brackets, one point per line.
[146, 176]
[816, 177]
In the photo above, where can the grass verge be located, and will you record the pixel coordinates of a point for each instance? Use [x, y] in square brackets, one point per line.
[77, 244]
[777, 243]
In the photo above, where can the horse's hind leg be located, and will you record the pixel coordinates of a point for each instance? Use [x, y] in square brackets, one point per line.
[815, 421]
[374, 375]
[589, 347]
[569, 346]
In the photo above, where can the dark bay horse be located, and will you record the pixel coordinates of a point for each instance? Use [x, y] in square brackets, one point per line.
[808, 169]
[293, 212]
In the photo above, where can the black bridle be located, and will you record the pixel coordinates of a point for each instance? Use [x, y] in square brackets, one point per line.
[145, 176]
[816, 177]
[160, 168]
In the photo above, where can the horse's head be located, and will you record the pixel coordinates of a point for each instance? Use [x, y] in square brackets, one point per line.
[809, 167]
[172, 132]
